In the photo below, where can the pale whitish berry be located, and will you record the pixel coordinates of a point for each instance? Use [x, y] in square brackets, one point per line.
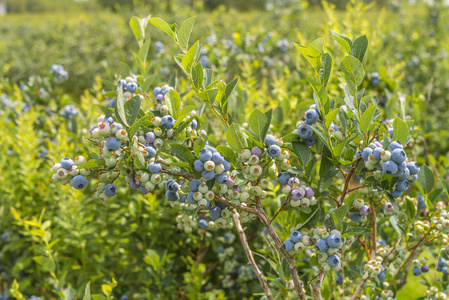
[245, 154]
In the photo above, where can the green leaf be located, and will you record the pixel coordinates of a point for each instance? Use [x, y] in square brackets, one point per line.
[312, 53]
[186, 110]
[258, 124]
[143, 51]
[172, 81]
[92, 163]
[125, 70]
[137, 28]
[152, 258]
[302, 151]
[345, 42]
[236, 138]
[400, 131]
[189, 58]
[162, 25]
[182, 153]
[329, 118]
[356, 231]
[173, 102]
[410, 208]
[325, 70]
[46, 262]
[132, 107]
[139, 160]
[120, 108]
[228, 153]
[227, 92]
[352, 69]
[199, 144]
[359, 47]
[426, 179]
[136, 125]
[197, 77]
[208, 96]
[184, 33]
[367, 119]
[87, 292]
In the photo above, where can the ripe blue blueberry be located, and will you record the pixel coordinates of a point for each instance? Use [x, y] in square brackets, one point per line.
[208, 175]
[289, 245]
[221, 205]
[154, 167]
[198, 165]
[334, 241]
[395, 145]
[390, 167]
[190, 198]
[405, 174]
[151, 151]
[402, 185]
[310, 141]
[339, 279]
[133, 185]
[226, 165]
[221, 178]
[113, 144]
[168, 121]
[194, 185]
[402, 166]
[377, 152]
[172, 196]
[274, 151]
[131, 87]
[416, 271]
[157, 91]
[295, 236]
[172, 185]
[355, 217]
[413, 167]
[217, 158]
[205, 155]
[425, 268]
[110, 190]
[322, 245]
[215, 213]
[413, 179]
[396, 193]
[283, 178]
[122, 83]
[333, 260]
[304, 131]
[111, 102]
[150, 137]
[382, 276]
[194, 124]
[143, 189]
[366, 153]
[269, 140]
[398, 156]
[311, 116]
[202, 224]
[79, 182]
[66, 163]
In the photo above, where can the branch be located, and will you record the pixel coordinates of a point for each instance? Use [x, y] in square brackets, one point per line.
[249, 255]
[277, 241]
[316, 289]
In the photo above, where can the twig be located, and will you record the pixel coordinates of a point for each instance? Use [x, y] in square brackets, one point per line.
[249, 255]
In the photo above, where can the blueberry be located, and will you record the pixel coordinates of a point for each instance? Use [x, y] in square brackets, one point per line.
[274, 151]
[154, 167]
[79, 182]
[113, 144]
[221, 205]
[221, 179]
[333, 260]
[194, 124]
[405, 174]
[217, 158]
[110, 190]
[396, 193]
[311, 116]
[190, 198]
[413, 167]
[198, 165]
[227, 236]
[157, 91]
[133, 185]
[111, 102]
[402, 166]
[151, 151]
[364, 210]
[322, 245]
[377, 152]
[202, 224]
[208, 175]
[390, 167]
[256, 151]
[295, 236]
[355, 217]
[395, 145]
[334, 241]
[205, 155]
[283, 178]
[413, 179]
[159, 98]
[143, 189]
[150, 137]
[416, 271]
[402, 185]
[122, 83]
[124, 297]
[289, 245]
[172, 196]
[168, 121]
[226, 165]
[339, 279]
[442, 262]
[131, 87]
[172, 185]
[366, 153]
[398, 156]
[309, 192]
[66, 163]
[215, 213]
[382, 276]
[425, 268]
[194, 185]
[304, 131]
[269, 140]
[310, 141]
[297, 194]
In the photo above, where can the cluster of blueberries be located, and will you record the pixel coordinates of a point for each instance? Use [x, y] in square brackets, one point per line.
[69, 111]
[59, 72]
[359, 210]
[418, 270]
[301, 196]
[392, 162]
[304, 131]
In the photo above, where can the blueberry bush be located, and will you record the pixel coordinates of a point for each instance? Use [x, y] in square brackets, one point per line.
[243, 165]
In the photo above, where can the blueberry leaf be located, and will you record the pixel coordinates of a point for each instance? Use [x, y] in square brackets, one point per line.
[132, 107]
[182, 153]
[120, 108]
[302, 151]
[258, 123]
[400, 130]
[359, 47]
[184, 33]
[87, 292]
[426, 179]
[236, 138]
[173, 102]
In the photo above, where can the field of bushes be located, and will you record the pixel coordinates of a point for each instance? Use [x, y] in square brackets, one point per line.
[55, 239]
